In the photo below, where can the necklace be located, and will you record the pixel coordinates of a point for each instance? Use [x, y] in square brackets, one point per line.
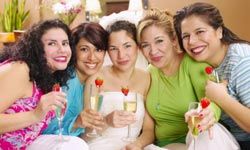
[159, 91]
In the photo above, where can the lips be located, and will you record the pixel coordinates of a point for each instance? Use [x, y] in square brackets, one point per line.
[197, 50]
[91, 65]
[124, 62]
[156, 58]
[62, 59]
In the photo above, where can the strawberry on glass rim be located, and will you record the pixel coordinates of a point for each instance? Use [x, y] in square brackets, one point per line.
[98, 82]
[205, 102]
[125, 90]
[56, 87]
[209, 70]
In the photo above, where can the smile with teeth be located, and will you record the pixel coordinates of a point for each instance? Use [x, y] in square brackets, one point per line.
[61, 59]
[197, 49]
[91, 65]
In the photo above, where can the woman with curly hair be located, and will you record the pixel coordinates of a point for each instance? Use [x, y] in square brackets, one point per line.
[28, 71]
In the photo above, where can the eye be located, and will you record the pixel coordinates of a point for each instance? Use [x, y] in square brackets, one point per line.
[112, 48]
[185, 37]
[200, 32]
[158, 41]
[52, 43]
[99, 50]
[127, 46]
[66, 43]
[144, 46]
[84, 49]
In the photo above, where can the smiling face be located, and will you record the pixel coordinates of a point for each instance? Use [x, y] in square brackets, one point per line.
[89, 59]
[122, 50]
[200, 40]
[157, 46]
[57, 49]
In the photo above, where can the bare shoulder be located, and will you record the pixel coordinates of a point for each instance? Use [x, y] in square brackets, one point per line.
[143, 81]
[14, 70]
[142, 74]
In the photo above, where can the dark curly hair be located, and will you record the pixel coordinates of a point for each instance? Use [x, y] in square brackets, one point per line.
[127, 26]
[211, 15]
[30, 49]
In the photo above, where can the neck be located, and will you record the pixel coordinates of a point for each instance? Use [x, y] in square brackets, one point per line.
[173, 66]
[123, 76]
[219, 56]
[81, 76]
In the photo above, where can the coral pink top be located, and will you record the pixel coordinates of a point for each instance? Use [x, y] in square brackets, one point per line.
[21, 138]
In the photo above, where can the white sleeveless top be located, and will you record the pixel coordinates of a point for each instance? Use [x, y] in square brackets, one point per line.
[111, 138]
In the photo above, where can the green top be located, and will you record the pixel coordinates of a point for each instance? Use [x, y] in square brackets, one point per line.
[169, 97]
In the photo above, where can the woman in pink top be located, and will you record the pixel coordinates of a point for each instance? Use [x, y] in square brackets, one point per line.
[28, 71]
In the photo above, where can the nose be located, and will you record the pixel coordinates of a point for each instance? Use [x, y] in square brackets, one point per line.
[120, 53]
[153, 49]
[61, 48]
[91, 55]
[193, 39]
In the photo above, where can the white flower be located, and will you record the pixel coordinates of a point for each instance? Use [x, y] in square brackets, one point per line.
[58, 8]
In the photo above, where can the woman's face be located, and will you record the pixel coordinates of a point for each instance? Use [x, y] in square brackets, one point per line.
[89, 59]
[200, 40]
[157, 47]
[122, 50]
[57, 49]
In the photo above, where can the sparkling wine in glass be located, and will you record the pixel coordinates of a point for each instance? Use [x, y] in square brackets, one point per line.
[60, 112]
[130, 105]
[195, 107]
[95, 104]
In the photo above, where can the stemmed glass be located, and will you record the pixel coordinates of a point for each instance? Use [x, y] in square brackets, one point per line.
[60, 112]
[195, 107]
[95, 104]
[130, 105]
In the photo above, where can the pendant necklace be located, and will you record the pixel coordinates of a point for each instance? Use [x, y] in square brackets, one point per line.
[158, 106]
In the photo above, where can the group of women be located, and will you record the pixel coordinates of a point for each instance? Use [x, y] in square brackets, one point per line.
[178, 48]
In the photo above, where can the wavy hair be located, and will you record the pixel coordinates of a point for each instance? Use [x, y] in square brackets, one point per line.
[211, 15]
[30, 49]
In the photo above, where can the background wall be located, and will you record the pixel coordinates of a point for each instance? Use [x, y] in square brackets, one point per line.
[235, 13]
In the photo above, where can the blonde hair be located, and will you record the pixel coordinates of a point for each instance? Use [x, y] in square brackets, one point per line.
[159, 18]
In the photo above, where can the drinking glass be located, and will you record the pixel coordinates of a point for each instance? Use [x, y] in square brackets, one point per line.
[60, 112]
[130, 105]
[195, 108]
[95, 104]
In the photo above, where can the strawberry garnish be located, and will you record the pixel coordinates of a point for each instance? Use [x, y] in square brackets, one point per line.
[205, 102]
[125, 90]
[209, 70]
[98, 82]
[56, 87]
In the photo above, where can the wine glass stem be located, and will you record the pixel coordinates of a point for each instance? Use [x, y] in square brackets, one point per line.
[60, 128]
[129, 131]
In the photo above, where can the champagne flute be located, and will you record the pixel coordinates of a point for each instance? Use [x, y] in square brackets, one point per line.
[130, 105]
[60, 112]
[195, 119]
[95, 104]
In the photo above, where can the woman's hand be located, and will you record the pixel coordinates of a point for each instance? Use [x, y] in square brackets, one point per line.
[206, 116]
[120, 118]
[91, 119]
[49, 102]
[132, 146]
[216, 91]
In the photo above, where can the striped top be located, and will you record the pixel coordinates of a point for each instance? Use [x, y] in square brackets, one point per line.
[236, 69]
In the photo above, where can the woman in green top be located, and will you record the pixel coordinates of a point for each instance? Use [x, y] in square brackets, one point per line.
[176, 80]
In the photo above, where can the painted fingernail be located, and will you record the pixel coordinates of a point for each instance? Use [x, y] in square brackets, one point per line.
[198, 126]
[201, 115]
[200, 130]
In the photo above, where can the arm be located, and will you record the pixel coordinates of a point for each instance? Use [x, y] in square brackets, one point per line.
[236, 107]
[13, 87]
[199, 79]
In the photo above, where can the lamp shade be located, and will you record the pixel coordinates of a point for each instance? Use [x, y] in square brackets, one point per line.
[93, 6]
[135, 5]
